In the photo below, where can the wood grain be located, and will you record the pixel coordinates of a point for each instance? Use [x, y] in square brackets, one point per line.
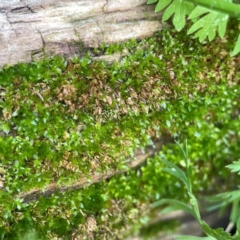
[32, 29]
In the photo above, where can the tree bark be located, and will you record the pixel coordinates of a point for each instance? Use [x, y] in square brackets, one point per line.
[32, 29]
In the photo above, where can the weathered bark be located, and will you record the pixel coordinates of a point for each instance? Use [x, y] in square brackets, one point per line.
[31, 29]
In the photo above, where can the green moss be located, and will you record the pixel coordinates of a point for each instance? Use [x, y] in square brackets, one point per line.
[66, 119]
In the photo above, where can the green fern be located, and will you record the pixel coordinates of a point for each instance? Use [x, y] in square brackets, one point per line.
[180, 9]
[235, 167]
[208, 17]
[208, 24]
[224, 199]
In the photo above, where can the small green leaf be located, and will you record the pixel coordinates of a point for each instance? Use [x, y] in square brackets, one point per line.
[236, 49]
[238, 226]
[219, 233]
[235, 211]
[164, 105]
[223, 199]
[222, 26]
[5, 127]
[198, 11]
[173, 170]
[162, 4]
[168, 123]
[235, 167]
[175, 205]
[207, 26]
[180, 9]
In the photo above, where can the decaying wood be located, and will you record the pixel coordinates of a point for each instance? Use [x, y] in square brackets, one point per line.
[31, 29]
[136, 161]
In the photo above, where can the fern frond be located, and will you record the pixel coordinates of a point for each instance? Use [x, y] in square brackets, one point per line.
[208, 25]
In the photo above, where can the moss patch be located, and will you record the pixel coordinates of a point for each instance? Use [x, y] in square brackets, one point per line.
[65, 119]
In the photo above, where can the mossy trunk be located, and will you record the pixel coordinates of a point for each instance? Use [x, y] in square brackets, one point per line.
[31, 29]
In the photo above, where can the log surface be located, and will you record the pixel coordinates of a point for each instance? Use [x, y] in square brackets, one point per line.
[32, 29]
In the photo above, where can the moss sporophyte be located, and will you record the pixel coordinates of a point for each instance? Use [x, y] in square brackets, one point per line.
[72, 121]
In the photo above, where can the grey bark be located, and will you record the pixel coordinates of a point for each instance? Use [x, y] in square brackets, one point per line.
[32, 29]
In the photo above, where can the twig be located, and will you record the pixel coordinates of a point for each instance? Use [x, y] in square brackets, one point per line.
[40, 96]
[229, 227]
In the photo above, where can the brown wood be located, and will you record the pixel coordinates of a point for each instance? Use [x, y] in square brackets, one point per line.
[31, 29]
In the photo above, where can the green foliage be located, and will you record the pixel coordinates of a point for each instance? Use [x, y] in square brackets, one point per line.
[235, 166]
[236, 49]
[63, 121]
[208, 17]
[180, 9]
[224, 198]
[208, 25]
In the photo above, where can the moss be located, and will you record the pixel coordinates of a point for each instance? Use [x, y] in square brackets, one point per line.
[65, 119]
